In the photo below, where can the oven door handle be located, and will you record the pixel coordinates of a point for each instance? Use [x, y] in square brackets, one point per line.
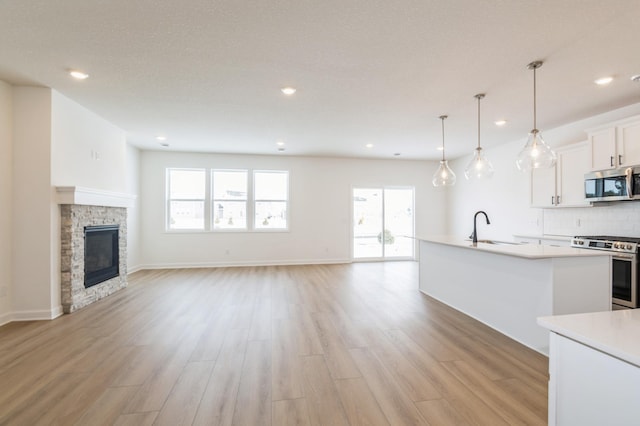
[629, 178]
[627, 257]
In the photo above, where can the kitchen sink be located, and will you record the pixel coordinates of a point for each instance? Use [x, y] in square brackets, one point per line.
[499, 243]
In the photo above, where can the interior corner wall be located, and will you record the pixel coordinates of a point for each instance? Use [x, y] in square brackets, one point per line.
[134, 260]
[32, 293]
[320, 209]
[6, 191]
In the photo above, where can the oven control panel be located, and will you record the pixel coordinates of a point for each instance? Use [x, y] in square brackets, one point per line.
[596, 244]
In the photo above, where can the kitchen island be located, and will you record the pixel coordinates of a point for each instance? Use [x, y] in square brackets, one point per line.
[594, 368]
[508, 286]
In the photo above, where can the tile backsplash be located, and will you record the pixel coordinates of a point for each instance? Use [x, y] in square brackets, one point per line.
[619, 219]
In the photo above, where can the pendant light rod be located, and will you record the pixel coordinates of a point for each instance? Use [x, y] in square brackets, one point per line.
[478, 97]
[443, 117]
[534, 66]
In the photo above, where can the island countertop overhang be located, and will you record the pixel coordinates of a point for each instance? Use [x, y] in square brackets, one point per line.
[527, 251]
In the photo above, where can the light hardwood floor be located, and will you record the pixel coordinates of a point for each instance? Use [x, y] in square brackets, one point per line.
[283, 345]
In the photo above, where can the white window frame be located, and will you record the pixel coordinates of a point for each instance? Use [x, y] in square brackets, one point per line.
[168, 201]
[247, 202]
[209, 201]
[254, 201]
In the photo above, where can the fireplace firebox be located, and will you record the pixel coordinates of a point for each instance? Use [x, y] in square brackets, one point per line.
[101, 254]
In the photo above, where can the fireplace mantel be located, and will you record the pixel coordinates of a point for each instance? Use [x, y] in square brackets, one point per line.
[92, 197]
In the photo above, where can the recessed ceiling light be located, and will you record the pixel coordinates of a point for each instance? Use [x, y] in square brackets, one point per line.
[369, 145]
[280, 143]
[78, 75]
[500, 122]
[288, 90]
[440, 148]
[161, 138]
[635, 78]
[603, 81]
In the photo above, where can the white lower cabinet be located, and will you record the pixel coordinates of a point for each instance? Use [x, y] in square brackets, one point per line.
[588, 387]
[562, 185]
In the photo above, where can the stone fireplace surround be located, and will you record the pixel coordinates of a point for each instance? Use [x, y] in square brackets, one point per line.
[80, 207]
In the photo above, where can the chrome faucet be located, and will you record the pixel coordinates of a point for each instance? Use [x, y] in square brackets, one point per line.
[474, 235]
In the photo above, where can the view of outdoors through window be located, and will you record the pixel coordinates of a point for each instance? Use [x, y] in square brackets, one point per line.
[230, 208]
[186, 198]
[383, 223]
[271, 193]
[229, 199]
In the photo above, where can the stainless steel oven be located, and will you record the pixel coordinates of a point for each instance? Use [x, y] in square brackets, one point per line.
[624, 268]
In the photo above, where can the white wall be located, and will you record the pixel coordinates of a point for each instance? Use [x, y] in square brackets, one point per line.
[87, 150]
[320, 209]
[32, 200]
[505, 197]
[6, 183]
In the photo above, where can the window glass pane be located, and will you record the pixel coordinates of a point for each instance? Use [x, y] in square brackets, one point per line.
[271, 185]
[271, 215]
[398, 226]
[186, 215]
[229, 215]
[186, 184]
[229, 185]
[367, 222]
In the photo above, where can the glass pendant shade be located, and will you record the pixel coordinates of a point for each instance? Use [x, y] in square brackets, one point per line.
[479, 167]
[444, 176]
[536, 154]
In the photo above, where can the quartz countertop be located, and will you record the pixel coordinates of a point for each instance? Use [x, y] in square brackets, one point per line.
[613, 332]
[544, 237]
[529, 251]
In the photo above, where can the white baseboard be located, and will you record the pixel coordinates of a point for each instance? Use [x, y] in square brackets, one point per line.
[39, 315]
[131, 270]
[6, 318]
[242, 263]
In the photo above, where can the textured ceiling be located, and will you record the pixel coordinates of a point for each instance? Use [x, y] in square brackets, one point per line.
[207, 74]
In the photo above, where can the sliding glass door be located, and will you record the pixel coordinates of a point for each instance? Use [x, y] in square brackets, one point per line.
[383, 223]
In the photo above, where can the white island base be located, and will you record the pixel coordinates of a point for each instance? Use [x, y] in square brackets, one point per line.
[509, 287]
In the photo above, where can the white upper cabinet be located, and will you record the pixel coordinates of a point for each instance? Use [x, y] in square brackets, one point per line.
[543, 187]
[562, 185]
[573, 163]
[615, 145]
[628, 141]
[603, 148]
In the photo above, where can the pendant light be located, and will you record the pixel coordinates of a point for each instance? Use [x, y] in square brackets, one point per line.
[444, 176]
[479, 167]
[536, 154]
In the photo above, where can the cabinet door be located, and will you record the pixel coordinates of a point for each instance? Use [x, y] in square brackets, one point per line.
[603, 149]
[573, 163]
[629, 144]
[543, 187]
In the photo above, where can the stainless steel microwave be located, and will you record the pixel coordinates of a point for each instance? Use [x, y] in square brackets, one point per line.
[613, 185]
